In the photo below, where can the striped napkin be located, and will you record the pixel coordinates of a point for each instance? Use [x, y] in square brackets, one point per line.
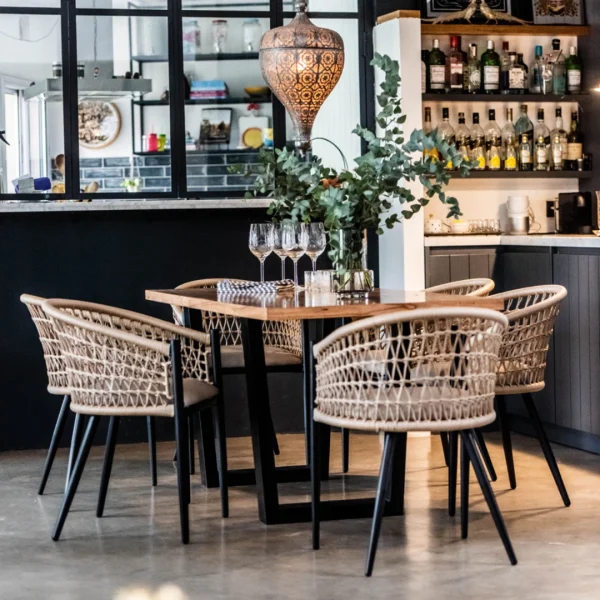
[255, 288]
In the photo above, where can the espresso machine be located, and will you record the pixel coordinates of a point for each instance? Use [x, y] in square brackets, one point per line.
[576, 213]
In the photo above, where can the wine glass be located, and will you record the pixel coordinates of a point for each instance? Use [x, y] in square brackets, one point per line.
[261, 243]
[278, 246]
[317, 242]
[295, 240]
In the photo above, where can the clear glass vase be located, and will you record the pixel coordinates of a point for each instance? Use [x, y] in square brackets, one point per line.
[348, 252]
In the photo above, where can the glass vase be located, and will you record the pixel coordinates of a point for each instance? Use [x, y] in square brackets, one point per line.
[348, 252]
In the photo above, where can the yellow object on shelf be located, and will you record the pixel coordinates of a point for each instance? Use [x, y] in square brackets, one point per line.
[252, 138]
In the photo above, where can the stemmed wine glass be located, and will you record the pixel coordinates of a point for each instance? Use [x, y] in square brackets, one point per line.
[261, 243]
[295, 240]
[278, 246]
[317, 242]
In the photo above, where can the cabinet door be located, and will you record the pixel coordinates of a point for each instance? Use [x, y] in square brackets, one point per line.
[443, 265]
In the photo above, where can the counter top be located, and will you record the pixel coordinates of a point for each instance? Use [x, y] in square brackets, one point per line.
[103, 205]
[549, 240]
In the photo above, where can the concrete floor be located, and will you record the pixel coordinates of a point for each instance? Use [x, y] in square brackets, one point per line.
[421, 555]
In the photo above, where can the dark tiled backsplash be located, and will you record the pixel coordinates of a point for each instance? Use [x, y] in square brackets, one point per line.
[206, 172]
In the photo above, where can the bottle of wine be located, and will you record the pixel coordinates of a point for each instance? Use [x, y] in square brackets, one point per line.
[521, 61]
[516, 76]
[424, 71]
[509, 143]
[556, 156]
[505, 68]
[559, 69]
[573, 65]
[437, 69]
[524, 124]
[455, 67]
[525, 163]
[490, 70]
[463, 136]
[493, 143]
[541, 130]
[477, 145]
[536, 71]
[446, 133]
[559, 131]
[428, 130]
[473, 74]
[574, 143]
[541, 154]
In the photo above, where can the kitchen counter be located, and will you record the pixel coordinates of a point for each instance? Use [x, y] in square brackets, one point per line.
[548, 240]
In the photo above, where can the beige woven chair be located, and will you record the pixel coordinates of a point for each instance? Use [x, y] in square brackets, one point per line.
[121, 363]
[468, 287]
[441, 374]
[58, 385]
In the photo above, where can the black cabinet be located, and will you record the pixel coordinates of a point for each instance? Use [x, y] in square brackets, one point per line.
[443, 265]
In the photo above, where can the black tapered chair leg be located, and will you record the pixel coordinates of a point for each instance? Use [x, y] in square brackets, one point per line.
[78, 467]
[384, 481]
[345, 450]
[452, 471]
[152, 449]
[276, 450]
[221, 450]
[57, 434]
[183, 475]
[192, 458]
[506, 441]
[78, 427]
[111, 442]
[546, 448]
[445, 447]
[315, 478]
[485, 455]
[464, 491]
[468, 439]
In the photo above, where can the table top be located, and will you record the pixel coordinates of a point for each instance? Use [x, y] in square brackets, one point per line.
[305, 305]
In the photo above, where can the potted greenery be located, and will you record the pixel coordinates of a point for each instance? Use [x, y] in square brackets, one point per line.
[371, 195]
[132, 185]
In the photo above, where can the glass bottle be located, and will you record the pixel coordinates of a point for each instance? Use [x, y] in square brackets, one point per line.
[541, 129]
[559, 131]
[509, 143]
[477, 145]
[446, 133]
[573, 66]
[463, 136]
[493, 143]
[505, 64]
[455, 67]
[524, 124]
[219, 32]
[428, 130]
[574, 143]
[559, 69]
[424, 71]
[536, 71]
[252, 34]
[473, 75]
[490, 69]
[556, 155]
[437, 69]
[521, 61]
[541, 154]
[525, 163]
[516, 76]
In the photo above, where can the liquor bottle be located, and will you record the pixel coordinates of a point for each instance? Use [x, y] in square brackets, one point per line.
[437, 69]
[516, 76]
[509, 143]
[557, 162]
[574, 143]
[573, 66]
[473, 74]
[541, 129]
[463, 136]
[424, 71]
[446, 133]
[559, 69]
[428, 130]
[536, 71]
[524, 124]
[477, 145]
[455, 67]
[521, 61]
[493, 143]
[505, 68]
[541, 154]
[490, 69]
[559, 131]
[525, 163]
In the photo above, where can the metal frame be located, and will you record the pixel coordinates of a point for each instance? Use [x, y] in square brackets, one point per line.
[68, 13]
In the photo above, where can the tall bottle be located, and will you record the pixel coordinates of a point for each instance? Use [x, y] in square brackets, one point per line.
[477, 145]
[493, 143]
[521, 61]
[541, 129]
[424, 71]
[428, 130]
[505, 68]
[524, 124]
[446, 133]
[560, 133]
[463, 136]
[559, 69]
[525, 160]
[437, 69]
[455, 67]
[509, 143]
[573, 66]
[537, 71]
[516, 76]
[490, 70]
[541, 156]
[574, 143]
[473, 74]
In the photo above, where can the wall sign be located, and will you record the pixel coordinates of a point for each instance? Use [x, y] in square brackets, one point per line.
[558, 12]
[99, 124]
[438, 8]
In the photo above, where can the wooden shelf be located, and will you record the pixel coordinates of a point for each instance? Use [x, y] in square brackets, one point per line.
[198, 57]
[525, 175]
[506, 30]
[207, 101]
[520, 98]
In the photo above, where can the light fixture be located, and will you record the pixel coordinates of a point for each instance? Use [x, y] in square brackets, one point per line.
[302, 63]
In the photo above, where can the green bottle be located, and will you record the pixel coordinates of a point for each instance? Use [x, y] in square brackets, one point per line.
[490, 70]
[437, 69]
[573, 72]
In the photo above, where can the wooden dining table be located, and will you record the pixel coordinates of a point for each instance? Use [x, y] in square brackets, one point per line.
[319, 313]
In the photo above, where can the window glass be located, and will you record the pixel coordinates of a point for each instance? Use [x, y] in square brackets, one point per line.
[331, 6]
[123, 4]
[30, 3]
[237, 5]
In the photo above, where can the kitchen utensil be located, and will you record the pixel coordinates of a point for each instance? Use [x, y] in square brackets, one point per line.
[434, 226]
[518, 225]
[258, 91]
[518, 205]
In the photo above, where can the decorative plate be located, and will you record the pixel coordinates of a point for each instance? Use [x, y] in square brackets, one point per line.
[99, 124]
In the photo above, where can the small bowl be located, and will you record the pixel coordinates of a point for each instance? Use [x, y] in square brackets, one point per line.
[258, 91]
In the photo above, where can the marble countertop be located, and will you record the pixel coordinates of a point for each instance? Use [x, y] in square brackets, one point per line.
[25, 206]
[549, 240]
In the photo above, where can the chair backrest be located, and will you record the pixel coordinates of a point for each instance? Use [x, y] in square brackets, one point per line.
[428, 370]
[118, 362]
[286, 335]
[468, 287]
[531, 313]
[55, 366]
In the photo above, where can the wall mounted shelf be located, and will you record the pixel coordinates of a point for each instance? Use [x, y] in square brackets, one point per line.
[198, 57]
[520, 98]
[207, 101]
[525, 175]
[228, 151]
[506, 30]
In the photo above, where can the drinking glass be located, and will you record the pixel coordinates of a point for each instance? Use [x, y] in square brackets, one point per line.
[317, 242]
[278, 246]
[261, 243]
[295, 240]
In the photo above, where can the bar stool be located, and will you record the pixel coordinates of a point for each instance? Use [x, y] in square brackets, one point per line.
[123, 364]
[468, 287]
[441, 373]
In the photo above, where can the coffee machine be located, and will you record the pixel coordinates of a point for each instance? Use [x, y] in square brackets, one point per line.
[575, 213]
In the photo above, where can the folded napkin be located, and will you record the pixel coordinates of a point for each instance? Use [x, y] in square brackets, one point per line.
[255, 287]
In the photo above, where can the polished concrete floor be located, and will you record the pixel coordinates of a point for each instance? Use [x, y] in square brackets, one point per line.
[421, 554]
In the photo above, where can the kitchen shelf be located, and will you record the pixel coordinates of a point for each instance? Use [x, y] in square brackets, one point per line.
[505, 30]
[525, 175]
[228, 151]
[520, 98]
[198, 57]
[207, 101]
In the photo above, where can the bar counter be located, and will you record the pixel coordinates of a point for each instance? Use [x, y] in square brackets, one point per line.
[543, 240]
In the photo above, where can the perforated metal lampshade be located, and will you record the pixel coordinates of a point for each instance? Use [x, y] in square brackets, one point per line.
[302, 63]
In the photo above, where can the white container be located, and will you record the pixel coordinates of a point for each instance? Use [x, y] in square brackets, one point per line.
[518, 205]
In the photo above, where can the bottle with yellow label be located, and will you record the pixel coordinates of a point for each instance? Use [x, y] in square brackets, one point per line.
[446, 133]
[428, 130]
[477, 154]
[509, 143]
[493, 143]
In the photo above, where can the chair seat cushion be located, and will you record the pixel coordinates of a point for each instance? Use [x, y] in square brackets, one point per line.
[232, 357]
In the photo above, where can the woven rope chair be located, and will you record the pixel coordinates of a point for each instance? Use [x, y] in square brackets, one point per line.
[468, 287]
[440, 376]
[120, 363]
